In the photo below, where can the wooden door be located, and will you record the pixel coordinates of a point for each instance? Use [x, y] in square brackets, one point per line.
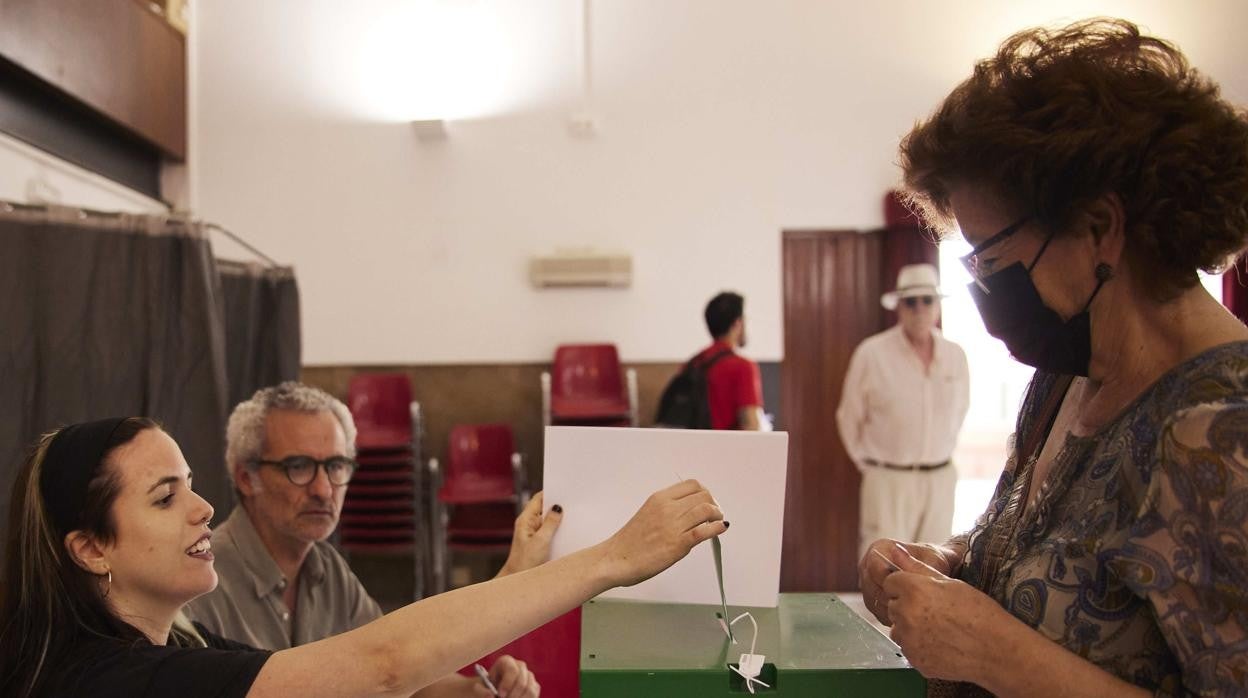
[832, 292]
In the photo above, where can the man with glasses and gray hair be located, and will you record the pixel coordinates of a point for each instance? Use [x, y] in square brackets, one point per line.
[905, 396]
[290, 453]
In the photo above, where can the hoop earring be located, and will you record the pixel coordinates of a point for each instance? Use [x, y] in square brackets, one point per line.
[108, 589]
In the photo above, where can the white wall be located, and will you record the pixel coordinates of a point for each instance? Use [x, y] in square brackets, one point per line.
[29, 175]
[721, 122]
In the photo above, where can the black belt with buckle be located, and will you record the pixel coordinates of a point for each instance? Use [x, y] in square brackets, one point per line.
[917, 466]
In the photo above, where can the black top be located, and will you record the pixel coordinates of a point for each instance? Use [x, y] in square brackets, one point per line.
[107, 668]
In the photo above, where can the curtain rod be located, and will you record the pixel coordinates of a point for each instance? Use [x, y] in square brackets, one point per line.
[248, 246]
[86, 212]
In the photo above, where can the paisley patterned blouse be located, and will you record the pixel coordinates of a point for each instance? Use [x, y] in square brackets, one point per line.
[1135, 554]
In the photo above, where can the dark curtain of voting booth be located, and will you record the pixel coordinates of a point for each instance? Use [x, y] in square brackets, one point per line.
[116, 314]
[262, 342]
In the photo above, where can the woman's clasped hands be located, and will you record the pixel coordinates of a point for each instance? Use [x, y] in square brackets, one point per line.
[946, 628]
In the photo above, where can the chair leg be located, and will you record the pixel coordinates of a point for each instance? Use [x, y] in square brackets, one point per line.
[634, 418]
[420, 534]
[442, 568]
[545, 398]
[420, 529]
[519, 479]
[435, 513]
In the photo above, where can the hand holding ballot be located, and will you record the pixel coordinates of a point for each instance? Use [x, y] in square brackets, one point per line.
[600, 474]
[530, 542]
[877, 565]
[662, 532]
[944, 626]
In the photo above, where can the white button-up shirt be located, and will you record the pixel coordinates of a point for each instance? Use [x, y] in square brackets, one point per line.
[893, 410]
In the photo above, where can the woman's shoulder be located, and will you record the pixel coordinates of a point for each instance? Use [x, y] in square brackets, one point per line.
[1211, 383]
[101, 666]
[1218, 374]
[1197, 418]
[1213, 428]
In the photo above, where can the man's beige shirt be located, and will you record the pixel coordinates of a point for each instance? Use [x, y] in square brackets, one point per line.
[895, 410]
[247, 604]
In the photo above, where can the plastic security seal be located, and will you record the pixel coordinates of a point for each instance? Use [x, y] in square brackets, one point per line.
[750, 665]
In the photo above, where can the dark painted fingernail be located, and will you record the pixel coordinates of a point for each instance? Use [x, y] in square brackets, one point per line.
[557, 509]
[726, 525]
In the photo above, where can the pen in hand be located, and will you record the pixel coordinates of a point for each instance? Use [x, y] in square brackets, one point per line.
[485, 678]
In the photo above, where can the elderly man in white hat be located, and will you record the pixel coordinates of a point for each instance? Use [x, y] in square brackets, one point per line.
[905, 396]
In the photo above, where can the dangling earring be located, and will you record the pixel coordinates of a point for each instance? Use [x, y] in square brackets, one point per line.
[1104, 272]
[108, 589]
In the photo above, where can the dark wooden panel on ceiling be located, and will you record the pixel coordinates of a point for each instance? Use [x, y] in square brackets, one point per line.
[831, 303]
[36, 113]
[115, 56]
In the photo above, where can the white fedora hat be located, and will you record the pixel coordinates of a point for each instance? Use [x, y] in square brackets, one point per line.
[913, 280]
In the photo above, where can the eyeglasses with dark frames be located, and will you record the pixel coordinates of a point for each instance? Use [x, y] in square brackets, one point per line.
[301, 470]
[973, 260]
[913, 301]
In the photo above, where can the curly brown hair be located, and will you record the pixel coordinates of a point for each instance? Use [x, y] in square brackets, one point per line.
[1061, 117]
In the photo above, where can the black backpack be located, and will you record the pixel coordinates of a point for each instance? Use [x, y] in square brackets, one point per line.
[685, 404]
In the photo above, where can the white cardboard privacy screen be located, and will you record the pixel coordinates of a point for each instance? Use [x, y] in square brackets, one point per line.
[601, 476]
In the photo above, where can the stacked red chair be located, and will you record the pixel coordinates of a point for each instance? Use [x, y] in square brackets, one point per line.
[382, 513]
[479, 494]
[588, 387]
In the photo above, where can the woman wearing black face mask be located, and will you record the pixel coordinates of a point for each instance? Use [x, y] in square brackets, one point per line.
[1094, 172]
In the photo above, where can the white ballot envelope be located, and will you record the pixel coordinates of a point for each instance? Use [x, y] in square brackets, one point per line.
[602, 475]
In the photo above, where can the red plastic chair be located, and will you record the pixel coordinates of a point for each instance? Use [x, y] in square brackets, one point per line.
[379, 511]
[384, 512]
[381, 404]
[482, 491]
[480, 465]
[552, 652]
[587, 386]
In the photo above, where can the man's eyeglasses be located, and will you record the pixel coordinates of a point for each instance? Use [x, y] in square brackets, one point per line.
[913, 301]
[974, 260]
[301, 470]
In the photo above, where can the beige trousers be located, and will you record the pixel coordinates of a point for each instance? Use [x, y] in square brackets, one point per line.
[909, 506]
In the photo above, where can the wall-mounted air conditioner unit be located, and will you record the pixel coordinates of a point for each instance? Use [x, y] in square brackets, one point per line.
[582, 269]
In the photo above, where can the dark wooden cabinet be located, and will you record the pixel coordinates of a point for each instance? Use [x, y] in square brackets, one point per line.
[117, 57]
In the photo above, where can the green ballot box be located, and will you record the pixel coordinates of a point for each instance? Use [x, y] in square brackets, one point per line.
[813, 645]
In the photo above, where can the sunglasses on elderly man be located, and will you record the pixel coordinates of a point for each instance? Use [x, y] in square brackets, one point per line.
[301, 470]
[913, 301]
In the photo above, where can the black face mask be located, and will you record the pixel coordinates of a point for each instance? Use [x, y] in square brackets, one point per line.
[1034, 333]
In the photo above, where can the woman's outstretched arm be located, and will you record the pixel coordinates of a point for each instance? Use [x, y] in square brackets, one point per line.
[416, 645]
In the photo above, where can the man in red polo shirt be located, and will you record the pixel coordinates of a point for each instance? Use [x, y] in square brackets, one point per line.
[733, 387]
